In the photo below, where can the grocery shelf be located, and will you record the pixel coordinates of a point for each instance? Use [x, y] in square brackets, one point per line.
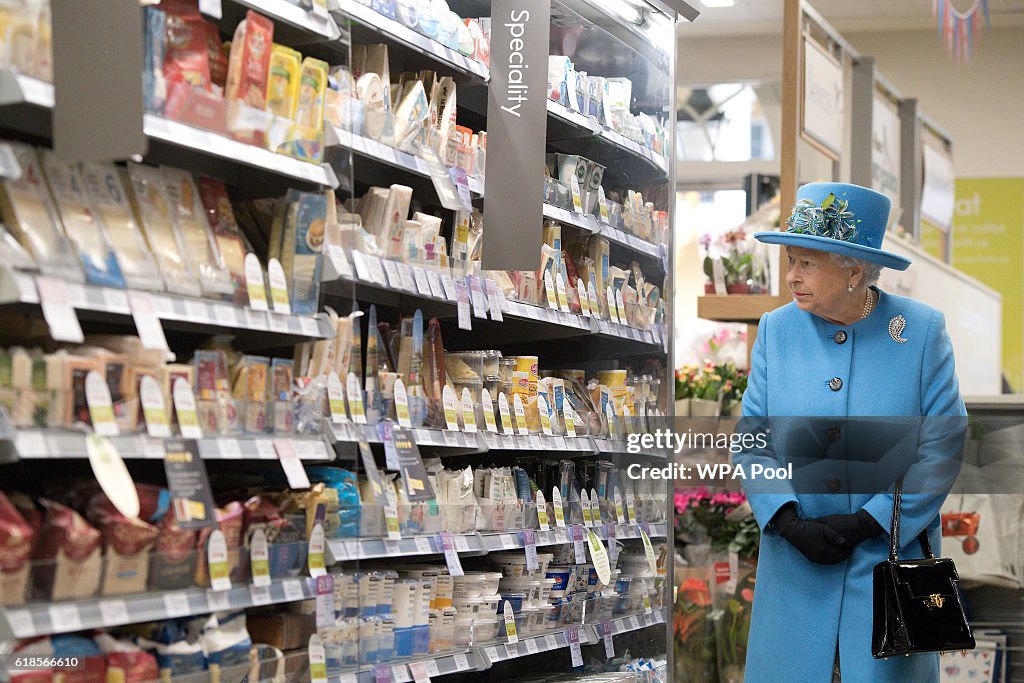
[59, 444]
[408, 45]
[531, 645]
[175, 311]
[293, 25]
[235, 162]
[539, 442]
[348, 432]
[25, 103]
[46, 618]
[440, 665]
[737, 308]
[590, 224]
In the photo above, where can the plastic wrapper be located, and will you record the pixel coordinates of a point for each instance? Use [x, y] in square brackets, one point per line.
[200, 248]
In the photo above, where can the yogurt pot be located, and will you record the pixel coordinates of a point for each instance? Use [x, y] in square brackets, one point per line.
[490, 582]
[486, 605]
[622, 583]
[554, 615]
[528, 586]
[533, 621]
[563, 576]
[468, 586]
[515, 600]
[510, 564]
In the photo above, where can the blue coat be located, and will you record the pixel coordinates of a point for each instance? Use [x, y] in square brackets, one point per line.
[802, 610]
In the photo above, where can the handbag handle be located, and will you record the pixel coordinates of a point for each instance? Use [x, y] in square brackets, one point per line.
[894, 530]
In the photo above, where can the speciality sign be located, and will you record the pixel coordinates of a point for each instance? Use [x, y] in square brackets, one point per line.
[516, 125]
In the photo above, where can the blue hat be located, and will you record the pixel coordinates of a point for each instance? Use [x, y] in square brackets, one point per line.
[840, 218]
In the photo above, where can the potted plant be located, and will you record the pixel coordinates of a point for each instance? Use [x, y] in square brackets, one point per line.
[735, 383]
[709, 264]
[684, 389]
[707, 394]
[738, 262]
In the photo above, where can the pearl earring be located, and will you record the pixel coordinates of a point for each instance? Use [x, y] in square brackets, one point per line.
[849, 288]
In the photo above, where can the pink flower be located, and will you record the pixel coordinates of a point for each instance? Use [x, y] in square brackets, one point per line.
[748, 594]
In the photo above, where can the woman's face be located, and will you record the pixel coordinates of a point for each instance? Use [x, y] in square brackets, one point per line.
[818, 285]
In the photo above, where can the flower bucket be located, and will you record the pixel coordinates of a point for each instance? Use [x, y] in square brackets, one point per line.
[702, 407]
[683, 407]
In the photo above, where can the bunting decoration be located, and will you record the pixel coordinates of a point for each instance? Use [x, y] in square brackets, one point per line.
[957, 28]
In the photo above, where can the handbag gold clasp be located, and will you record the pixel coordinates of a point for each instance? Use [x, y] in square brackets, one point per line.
[934, 600]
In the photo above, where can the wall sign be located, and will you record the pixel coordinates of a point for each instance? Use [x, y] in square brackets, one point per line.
[885, 150]
[939, 191]
[823, 110]
[516, 132]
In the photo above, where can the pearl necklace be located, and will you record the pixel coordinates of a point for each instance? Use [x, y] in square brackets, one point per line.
[869, 305]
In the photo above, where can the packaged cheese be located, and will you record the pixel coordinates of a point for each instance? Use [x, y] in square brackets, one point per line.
[29, 214]
[250, 61]
[85, 230]
[110, 201]
[221, 218]
[155, 214]
[301, 249]
[309, 111]
[283, 82]
[197, 236]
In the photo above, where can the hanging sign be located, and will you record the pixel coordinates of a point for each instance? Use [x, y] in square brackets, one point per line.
[822, 109]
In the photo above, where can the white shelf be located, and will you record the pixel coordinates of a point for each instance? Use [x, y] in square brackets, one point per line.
[389, 28]
[18, 89]
[18, 287]
[39, 619]
[448, 663]
[281, 11]
[584, 123]
[227, 149]
[59, 444]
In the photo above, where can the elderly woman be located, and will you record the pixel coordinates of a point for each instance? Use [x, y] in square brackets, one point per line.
[842, 348]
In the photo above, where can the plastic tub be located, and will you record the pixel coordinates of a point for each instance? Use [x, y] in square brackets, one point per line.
[528, 586]
[563, 576]
[468, 586]
[510, 564]
[515, 600]
[490, 582]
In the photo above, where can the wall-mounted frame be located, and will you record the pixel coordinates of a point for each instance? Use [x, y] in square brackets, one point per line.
[876, 156]
[822, 103]
[938, 191]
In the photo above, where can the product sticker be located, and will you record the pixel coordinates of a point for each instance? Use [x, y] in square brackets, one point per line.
[588, 519]
[599, 556]
[573, 636]
[336, 399]
[652, 562]
[549, 291]
[101, 408]
[317, 660]
[606, 635]
[402, 404]
[506, 417]
[391, 514]
[476, 291]
[517, 406]
[577, 544]
[57, 310]
[595, 305]
[595, 508]
[545, 415]
[563, 297]
[290, 463]
[556, 504]
[114, 612]
[217, 559]
[451, 556]
[613, 424]
[324, 601]
[112, 474]
[315, 557]
[147, 323]
[405, 275]
[462, 294]
[542, 511]
[355, 399]
[620, 515]
[259, 595]
[631, 506]
[259, 558]
[488, 407]
[468, 411]
[581, 292]
[495, 300]
[339, 261]
[254, 283]
[530, 543]
[185, 409]
[613, 547]
[510, 623]
[278, 287]
[451, 417]
[153, 411]
[191, 496]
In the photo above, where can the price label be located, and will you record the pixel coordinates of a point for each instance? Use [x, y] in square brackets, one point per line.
[434, 280]
[652, 561]
[422, 283]
[315, 556]
[402, 404]
[588, 518]
[423, 545]
[461, 663]
[476, 291]
[259, 558]
[376, 270]
[254, 284]
[354, 392]
[531, 646]
[451, 417]
[492, 654]
[451, 556]
[176, 604]
[613, 547]
[448, 284]
[65, 617]
[517, 406]
[185, 409]
[339, 261]
[507, 542]
[549, 291]
[420, 674]
[609, 644]
[405, 274]
[620, 514]
[506, 416]
[400, 673]
[151, 333]
[462, 297]
[556, 503]
[220, 601]
[290, 463]
[58, 310]
[634, 623]
[573, 636]
[468, 411]
[510, 623]
[563, 297]
[317, 660]
[101, 408]
[113, 613]
[293, 590]
[260, 595]
[545, 415]
[550, 643]
[494, 301]
[217, 559]
[391, 271]
[542, 512]
[530, 543]
[324, 601]
[490, 424]
[577, 544]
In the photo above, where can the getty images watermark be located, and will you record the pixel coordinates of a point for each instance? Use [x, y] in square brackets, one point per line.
[669, 440]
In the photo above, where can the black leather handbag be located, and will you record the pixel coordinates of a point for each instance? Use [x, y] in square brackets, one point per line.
[917, 605]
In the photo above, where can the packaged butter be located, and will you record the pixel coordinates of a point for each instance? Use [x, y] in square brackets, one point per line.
[283, 82]
[110, 201]
[29, 214]
[81, 225]
[155, 214]
[200, 246]
[221, 219]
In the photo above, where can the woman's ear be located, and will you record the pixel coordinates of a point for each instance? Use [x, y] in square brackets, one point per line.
[857, 275]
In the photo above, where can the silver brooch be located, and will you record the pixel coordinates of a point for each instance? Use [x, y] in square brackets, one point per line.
[896, 327]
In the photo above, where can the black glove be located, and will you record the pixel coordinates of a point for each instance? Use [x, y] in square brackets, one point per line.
[816, 541]
[855, 528]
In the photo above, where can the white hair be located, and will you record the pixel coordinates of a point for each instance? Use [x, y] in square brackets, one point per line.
[872, 271]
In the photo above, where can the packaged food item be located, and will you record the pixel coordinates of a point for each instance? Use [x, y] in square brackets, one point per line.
[127, 543]
[154, 86]
[252, 385]
[282, 373]
[187, 59]
[110, 200]
[126, 661]
[283, 82]
[217, 411]
[250, 61]
[215, 54]
[221, 219]
[29, 214]
[231, 522]
[200, 247]
[17, 538]
[155, 213]
[301, 250]
[226, 642]
[68, 562]
[173, 560]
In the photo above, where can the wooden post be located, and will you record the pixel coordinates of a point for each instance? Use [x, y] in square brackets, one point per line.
[792, 76]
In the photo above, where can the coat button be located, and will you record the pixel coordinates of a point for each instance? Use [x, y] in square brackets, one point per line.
[839, 337]
[833, 434]
[835, 384]
[832, 485]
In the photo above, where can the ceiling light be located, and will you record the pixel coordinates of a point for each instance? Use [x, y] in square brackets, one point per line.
[718, 3]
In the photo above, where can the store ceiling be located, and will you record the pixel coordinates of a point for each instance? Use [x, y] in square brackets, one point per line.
[765, 16]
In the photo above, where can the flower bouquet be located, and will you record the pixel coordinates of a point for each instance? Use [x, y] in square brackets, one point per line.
[695, 648]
